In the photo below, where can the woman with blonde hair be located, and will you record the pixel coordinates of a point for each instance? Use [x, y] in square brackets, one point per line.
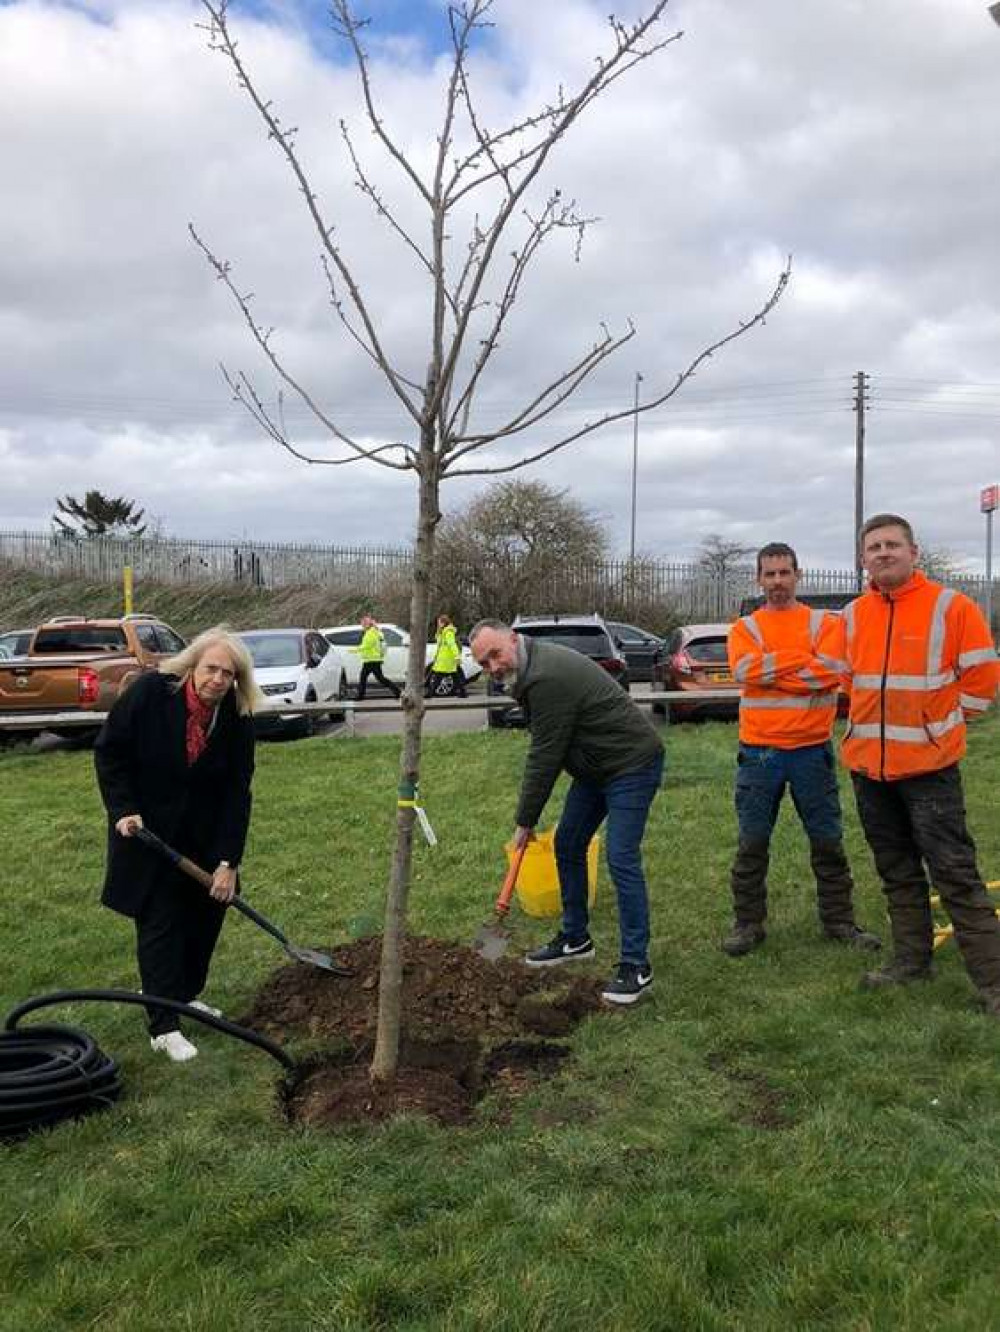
[177, 754]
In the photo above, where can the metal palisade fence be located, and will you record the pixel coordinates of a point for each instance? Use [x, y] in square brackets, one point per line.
[619, 589]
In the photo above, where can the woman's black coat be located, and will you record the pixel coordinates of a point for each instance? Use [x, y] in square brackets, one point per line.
[141, 760]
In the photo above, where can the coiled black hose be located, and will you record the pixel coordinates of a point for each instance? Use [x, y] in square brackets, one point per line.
[52, 1073]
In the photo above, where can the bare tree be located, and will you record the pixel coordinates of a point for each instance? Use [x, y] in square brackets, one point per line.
[941, 564]
[719, 557]
[482, 234]
[495, 555]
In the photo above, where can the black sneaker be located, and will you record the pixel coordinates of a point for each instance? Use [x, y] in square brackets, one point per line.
[628, 984]
[559, 950]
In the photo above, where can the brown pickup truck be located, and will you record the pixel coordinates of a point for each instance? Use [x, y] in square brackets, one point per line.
[78, 665]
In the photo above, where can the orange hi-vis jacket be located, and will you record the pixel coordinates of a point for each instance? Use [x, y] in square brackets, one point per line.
[789, 697]
[917, 661]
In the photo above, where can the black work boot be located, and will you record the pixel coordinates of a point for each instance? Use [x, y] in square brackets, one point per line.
[853, 936]
[897, 973]
[749, 882]
[743, 938]
[834, 894]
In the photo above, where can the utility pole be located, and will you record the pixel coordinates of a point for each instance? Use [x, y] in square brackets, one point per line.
[989, 501]
[635, 471]
[860, 397]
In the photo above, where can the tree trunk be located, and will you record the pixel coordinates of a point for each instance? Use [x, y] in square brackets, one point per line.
[386, 1056]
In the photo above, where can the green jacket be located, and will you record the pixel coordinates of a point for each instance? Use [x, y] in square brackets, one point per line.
[372, 646]
[581, 722]
[448, 654]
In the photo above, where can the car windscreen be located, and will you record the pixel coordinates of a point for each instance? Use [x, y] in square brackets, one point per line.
[80, 638]
[592, 642]
[708, 651]
[274, 649]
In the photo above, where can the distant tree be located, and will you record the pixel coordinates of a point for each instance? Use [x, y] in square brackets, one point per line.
[98, 515]
[514, 538]
[720, 557]
[944, 566]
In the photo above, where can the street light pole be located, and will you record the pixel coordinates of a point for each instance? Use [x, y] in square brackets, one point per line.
[635, 467]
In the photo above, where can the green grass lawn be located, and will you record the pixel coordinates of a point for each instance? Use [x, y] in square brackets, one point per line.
[758, 1145]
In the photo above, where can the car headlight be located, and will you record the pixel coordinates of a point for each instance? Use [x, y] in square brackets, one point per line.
[279, 688]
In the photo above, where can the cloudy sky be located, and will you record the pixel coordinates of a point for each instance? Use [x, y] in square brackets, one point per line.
[861, 137]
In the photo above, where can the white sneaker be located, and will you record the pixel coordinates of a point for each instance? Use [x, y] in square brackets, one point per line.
[205, 1008]
[174, 1044]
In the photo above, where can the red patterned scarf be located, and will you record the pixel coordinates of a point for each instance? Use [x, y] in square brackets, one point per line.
[199, 720]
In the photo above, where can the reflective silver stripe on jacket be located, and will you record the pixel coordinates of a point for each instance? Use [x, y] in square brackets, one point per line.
[742, 667]
[907, 735]
[816, 617]
[768, 666]
[975, 657]
[753, 629]
[918, 682]
[834, 663]
[973, 704]
[813, 681]
[935, 639]
[849, 624]
[800, 701]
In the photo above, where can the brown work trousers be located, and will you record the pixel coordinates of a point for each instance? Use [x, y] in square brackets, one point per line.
[916, 827]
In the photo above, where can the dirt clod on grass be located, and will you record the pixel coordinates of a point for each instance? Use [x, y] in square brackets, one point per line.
[470, 1027]
[758, 1103]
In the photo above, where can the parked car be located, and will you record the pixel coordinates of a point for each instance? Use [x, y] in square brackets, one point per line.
[641, 648]
[833, 601]
[583, 633]
[295, 666]
[78, 665]
[347, 638]
[695, 660]
[15, 643]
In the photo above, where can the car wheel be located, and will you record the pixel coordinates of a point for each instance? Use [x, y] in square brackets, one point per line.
[308, 719]
[343, 692]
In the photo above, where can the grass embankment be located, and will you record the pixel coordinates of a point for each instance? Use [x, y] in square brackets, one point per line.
[27, 598]
[756, 1146]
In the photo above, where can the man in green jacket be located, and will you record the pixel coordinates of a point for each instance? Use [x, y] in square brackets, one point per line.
[372, 649]
[582, 723]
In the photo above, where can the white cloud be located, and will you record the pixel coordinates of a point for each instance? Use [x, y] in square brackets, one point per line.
[769, 128]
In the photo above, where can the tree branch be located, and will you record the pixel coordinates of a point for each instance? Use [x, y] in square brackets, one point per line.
[263, 337]
[221, 40]
[627, 43]
[629, 413]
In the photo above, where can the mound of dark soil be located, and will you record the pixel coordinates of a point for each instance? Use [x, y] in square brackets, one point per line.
[469, 1027]
[449, 993]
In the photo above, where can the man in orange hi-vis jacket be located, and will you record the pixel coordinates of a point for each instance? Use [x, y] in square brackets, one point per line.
[787, 711]
[919, 661]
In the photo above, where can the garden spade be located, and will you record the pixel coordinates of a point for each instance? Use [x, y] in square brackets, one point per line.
[492, 940]
[311, 956]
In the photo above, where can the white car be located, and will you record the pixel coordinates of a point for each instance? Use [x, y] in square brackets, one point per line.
[347, 639]
[295, 666]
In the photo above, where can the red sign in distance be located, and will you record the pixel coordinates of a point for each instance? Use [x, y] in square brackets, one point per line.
[989, 499]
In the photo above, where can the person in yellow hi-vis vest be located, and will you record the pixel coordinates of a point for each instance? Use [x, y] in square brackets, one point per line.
[447, 663]
[372, 649]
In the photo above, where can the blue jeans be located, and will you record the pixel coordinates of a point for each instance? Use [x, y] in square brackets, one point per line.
[625, 803]
[763, 773]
